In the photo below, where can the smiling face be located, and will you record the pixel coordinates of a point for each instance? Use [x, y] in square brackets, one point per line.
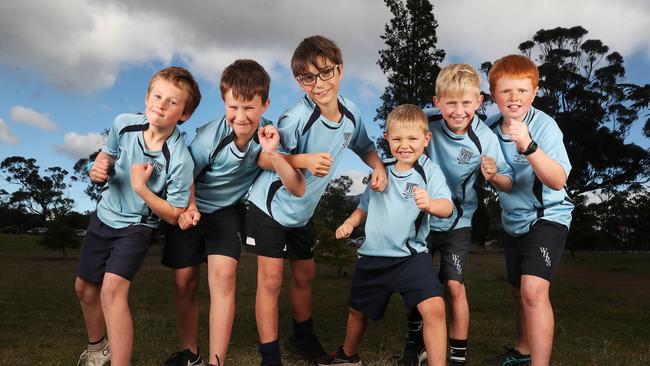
[323, 92]
[514, 97]
[244, 115]
[458, 111]
[164, 105]
[407, 143]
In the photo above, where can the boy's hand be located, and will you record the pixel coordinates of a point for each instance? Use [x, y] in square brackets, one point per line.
[99, 171]
[189, 219]
[378, 179]
[344, 231]
[269, 138]
[319, 164]
[140, 174]
[519, 134]
[488, 167]
[422, 198]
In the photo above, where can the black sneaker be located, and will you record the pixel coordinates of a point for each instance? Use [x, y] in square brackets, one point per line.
[308, 348]
[413, 354]
[339, 358]
[184, 358]
[511, 357]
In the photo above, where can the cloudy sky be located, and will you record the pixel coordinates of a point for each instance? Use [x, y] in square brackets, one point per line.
[68, 67]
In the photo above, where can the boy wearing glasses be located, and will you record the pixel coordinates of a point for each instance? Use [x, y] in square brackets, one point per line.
[317, 130]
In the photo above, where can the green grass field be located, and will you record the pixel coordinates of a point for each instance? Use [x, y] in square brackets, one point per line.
[601, 305]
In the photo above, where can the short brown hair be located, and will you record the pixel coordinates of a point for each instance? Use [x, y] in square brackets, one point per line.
[458, 79]
[246, 79]
[313, 50]
[182, 79]
[408, 115]
[514, 66]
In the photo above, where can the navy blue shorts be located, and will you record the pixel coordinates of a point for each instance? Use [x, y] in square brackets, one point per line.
[266, 237]
[375, 279]
[536, 253]
[117, 251]
[217, 233]
[454, 249]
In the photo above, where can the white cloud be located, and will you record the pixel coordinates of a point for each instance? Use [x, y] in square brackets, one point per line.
[32, 118]
[84, 49]
[6, 135]
[357, 177]
[80, 146]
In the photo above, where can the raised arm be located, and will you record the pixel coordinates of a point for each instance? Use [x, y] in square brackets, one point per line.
[378, 178]
[140, 174]
[292, 179]
[100, 168]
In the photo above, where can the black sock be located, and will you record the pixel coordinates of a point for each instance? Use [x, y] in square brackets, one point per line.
[98, 342]
[270, 352]
[304, 329]
[457, 350]
[415, 326]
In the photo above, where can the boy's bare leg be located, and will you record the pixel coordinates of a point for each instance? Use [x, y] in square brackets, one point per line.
[222, 274]
[302, 275]
[91, 307]
[522, 345]
[269, 284]
[186, 285]
[459, 308]
[357, 324]
[538, 315]
[434, 330]
[115, 303]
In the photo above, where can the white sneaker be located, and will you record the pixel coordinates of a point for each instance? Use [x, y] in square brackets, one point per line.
[96, 355]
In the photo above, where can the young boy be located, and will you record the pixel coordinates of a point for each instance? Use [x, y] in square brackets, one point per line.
[318, 128]
[463, 147]
[148, 173]
[394, 257]
[536, 213]
[225, 153]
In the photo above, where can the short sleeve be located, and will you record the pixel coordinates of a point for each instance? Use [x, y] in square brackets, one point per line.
[180, 180]
[551, 140]
[436, 184]
[365, 199]
[288, 126]
[112, 147]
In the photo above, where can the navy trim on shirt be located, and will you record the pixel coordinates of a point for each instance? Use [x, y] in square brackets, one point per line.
[134, 128]
[313, 118]
[269, 197]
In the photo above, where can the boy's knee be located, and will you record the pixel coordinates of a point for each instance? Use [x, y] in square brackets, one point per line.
[432, 309]
[271, 282]
[86, 291]
[222, 279]
[113, 290]
[186, 282]
[455, 289]
[533, 295]
[303, 275]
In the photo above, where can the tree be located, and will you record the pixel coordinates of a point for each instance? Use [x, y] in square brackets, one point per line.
[41, 195]
[411, 58]
[333, 208]
[582, 87]
[80, 172]
[59, 236]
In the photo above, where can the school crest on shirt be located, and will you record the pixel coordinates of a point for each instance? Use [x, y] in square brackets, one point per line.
[347, 136]
[464, 156]
[157, 167]
[408, 190]
[519, 159]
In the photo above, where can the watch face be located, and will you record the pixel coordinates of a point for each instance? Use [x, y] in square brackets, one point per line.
[532, 147]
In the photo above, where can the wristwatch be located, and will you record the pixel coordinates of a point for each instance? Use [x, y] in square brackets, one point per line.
[532, 147]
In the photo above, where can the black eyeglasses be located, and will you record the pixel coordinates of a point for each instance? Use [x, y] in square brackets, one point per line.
[308, 78]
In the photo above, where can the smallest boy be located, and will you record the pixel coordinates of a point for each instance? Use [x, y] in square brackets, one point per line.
[148, 173]
[394, 256]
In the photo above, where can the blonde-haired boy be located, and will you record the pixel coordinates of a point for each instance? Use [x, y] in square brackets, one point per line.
[394, 258]
[463, 147]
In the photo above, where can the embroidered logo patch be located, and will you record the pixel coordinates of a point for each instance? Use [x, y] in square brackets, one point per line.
[464, 156]
[408, 190]
[347, 136]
